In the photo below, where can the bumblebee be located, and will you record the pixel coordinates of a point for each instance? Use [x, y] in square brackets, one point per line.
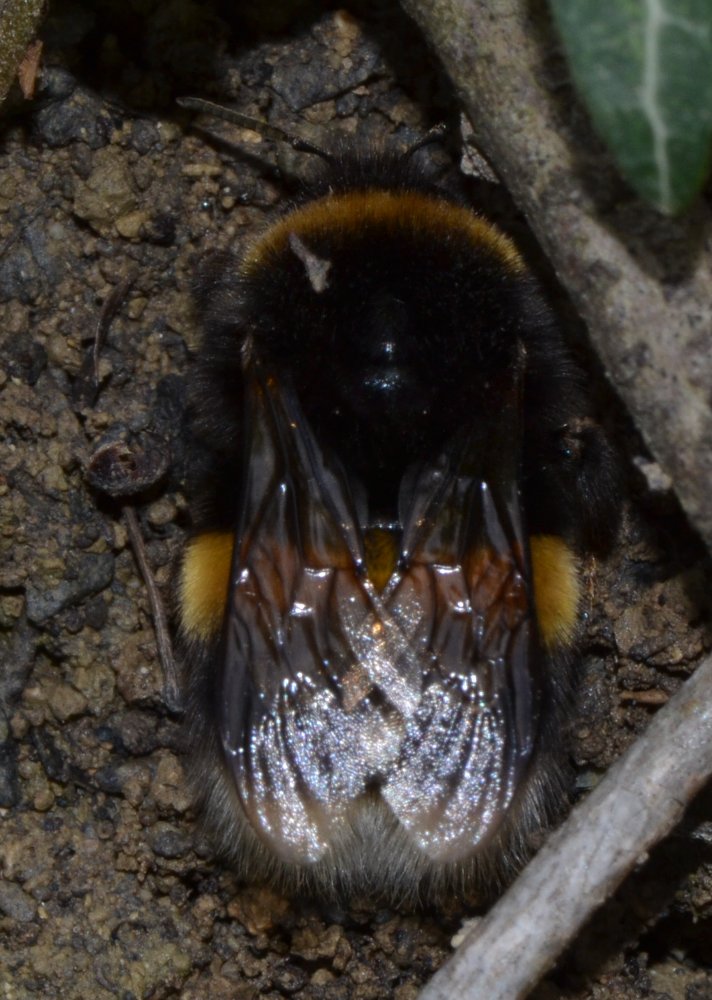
[398, 477]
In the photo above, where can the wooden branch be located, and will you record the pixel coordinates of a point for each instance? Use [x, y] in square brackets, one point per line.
[636, 804]
[641, 282]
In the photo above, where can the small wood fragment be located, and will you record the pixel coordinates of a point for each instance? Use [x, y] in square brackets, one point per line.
[28, 69]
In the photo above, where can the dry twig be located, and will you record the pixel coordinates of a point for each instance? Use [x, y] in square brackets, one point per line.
[639, 801]
[109, 309]
[641, 282]
[171, 684]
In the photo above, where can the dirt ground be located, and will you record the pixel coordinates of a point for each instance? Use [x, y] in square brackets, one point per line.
[107, 886]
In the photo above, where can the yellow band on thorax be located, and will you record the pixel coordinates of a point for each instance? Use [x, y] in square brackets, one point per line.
[404, 212]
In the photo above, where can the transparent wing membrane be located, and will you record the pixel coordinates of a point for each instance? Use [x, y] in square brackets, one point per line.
[426, 692]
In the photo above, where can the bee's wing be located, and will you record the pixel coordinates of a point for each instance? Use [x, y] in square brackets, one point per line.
[328, 689]
[317, 678]
[465, 603]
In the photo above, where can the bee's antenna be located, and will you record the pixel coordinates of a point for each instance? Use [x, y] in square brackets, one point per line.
[255, 124]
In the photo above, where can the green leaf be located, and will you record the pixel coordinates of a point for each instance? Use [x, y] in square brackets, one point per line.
[644, 70]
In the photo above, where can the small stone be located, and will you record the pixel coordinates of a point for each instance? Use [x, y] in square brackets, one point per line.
[169, 842]
[43, 800]
[322, 977]
[65, 701]
[135, 780]
[16, 903]
[136, 307]
[107, 194]
[130, 225]
[88, 573]
[144, 135]
[257, 909]
[206, 911]
[289, 978]
[161, 513]
[170, 788]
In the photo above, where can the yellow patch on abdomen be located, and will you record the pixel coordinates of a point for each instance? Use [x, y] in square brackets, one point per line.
[204, 583]
[557, 588]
